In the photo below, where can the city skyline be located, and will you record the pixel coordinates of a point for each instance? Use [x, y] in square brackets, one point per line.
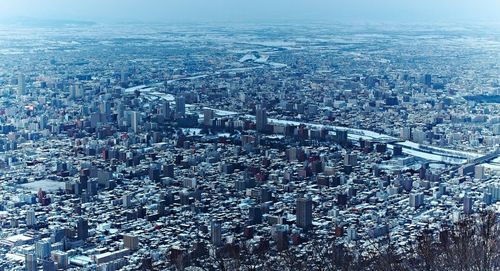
[236, 135]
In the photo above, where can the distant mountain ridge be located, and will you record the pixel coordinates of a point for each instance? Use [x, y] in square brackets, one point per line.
[37, 22]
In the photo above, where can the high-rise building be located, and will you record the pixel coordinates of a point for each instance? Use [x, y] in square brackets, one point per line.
[255, 215]
[496, 129]
[30, 218]
[30, 262]
[147, 263]
[124, 75]
[397, 150]
[165, 110]
[141, 212]
[131, 242]
[162, 208]
[168, 170]
[21, 85]
[281, 237]
[127, 200]
[135, 120]
[350, 159]
[479, 172]
[468, 205]
[154, 172]
[48, 265]
[341, 136]
[208, 115]
[416, 200]
[260, 118]
[180, 107]
[79, 90]
[42, 249]
[494, 190]
[82, 229]
[304, 213]
[72, 91]
[428, 80]
[44, 121]
[442, 189]
[466, 169]
[418, 135]
[92, 187]
[266, 194]
[105, 108]
[352, 233]
[405, 133]
[216, 233]
[61, 258]
[58, 234]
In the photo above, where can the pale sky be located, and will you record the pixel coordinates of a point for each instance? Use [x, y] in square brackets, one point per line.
[406, 11]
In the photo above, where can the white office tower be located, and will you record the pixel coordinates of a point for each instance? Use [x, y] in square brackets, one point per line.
[416, 200]
[30, 217]
[21, 85]
[135, 120]
[479, 172]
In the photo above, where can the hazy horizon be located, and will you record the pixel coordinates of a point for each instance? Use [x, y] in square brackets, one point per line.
[190, 11]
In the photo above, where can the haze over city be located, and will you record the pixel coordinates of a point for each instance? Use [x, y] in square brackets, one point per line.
[422, 11]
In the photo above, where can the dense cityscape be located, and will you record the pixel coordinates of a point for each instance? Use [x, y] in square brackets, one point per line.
[176, 147]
